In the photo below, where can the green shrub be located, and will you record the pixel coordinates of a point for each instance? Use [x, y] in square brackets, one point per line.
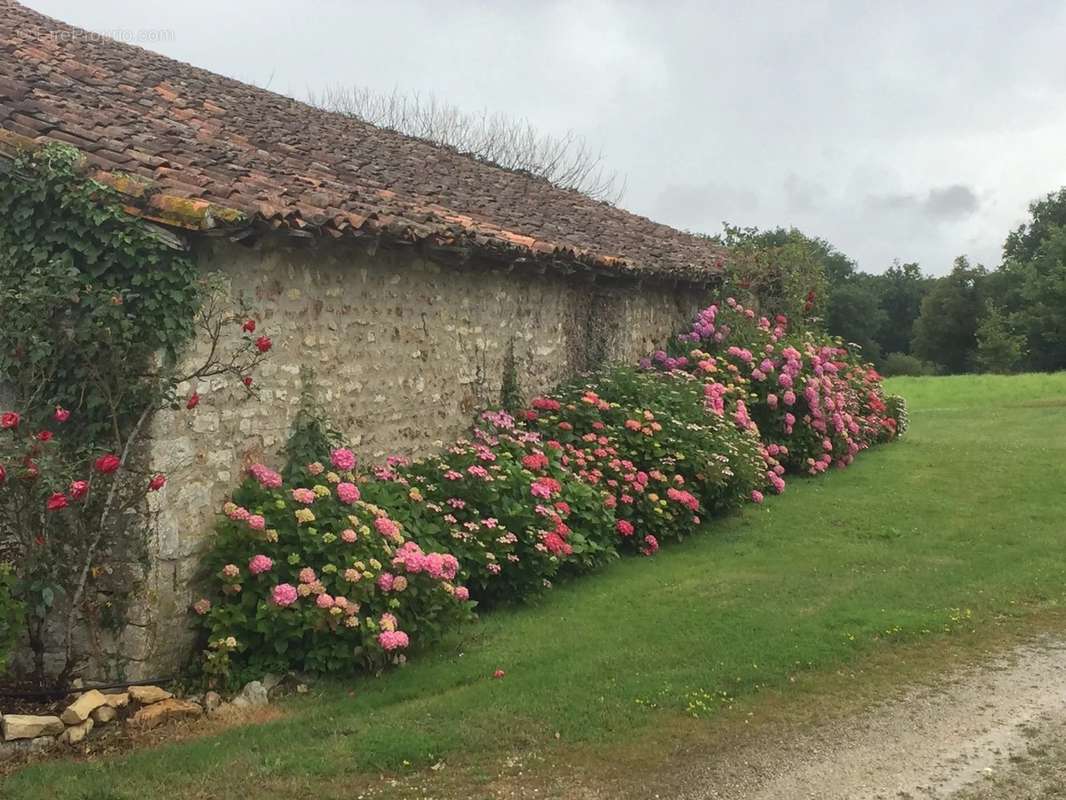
[905, 364]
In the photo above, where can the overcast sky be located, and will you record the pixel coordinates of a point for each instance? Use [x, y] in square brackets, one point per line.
[915, 131]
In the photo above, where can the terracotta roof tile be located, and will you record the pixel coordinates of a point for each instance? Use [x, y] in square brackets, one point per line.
[203, 151]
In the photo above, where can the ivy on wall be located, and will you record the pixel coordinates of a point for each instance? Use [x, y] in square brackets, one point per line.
[90, 295]
[98, 307]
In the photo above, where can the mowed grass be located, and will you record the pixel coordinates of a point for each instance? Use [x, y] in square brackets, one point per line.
[952, 529]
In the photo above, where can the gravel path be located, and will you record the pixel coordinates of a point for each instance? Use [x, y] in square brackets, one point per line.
[989, 733]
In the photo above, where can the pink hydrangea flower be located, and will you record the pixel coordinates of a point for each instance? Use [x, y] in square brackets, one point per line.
[268, 478]
[305, 496]
[231, 571]
[348, 492]
[385, 581]
[342, 458]
[202, 606]
[462, 593]
[307, 575]
[324, 601]
[259, 564]
[387, 622]
[756, 496]
[393, 640]
[348, 536]
[284, 594]
[387, 527]
[256, 522]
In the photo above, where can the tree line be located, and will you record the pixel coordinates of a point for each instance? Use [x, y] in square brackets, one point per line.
[1008, 318]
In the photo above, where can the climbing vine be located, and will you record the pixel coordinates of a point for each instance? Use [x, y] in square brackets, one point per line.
[99, 307]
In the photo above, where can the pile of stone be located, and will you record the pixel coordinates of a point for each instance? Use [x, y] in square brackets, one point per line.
[142, 707]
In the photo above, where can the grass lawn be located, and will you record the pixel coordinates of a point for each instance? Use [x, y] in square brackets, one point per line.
[947, 533]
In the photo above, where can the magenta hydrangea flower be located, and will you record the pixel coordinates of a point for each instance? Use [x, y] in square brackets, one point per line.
[284, 594]
[342, 458]
[268, 478]
[348, 493]
[393, 640]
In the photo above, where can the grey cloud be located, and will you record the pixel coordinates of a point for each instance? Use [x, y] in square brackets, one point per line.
[944, 203]
[952, 202]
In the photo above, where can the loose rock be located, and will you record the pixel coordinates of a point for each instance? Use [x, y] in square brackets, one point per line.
[146, 695]
[29, 726]
[103, 715]
[118, 700]
[80, 709]
[253, 695]
[76, 733]
[156, 714]
[38, 745]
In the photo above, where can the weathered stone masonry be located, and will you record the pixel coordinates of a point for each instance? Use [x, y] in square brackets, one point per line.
[405, 351]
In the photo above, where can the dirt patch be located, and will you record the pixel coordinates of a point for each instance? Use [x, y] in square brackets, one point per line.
[948, 740]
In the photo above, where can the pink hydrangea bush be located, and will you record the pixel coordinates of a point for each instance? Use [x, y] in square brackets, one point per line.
[504, 504]
[324, 568]
[664, 463]
[308, 587]
[809, 397]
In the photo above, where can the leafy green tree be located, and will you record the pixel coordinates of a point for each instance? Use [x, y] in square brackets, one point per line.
[901, 290]
[1042, 313]
[855, 314]
[999, 348]
[946, 331]
[1024, 241]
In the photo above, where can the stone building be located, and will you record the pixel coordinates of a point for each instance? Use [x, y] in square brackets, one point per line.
[405, 274]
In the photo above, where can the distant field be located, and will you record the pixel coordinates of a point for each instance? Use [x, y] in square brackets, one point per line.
[950, 531]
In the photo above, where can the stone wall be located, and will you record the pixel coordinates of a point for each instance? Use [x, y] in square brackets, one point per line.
[406, 351]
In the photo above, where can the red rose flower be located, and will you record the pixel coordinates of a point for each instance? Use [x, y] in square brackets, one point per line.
[249, 326]
[57, 501]
[78, 489]
[3, 473]
[107, 463]
[263, 343]
[157, 482]
[193, 401]
[44, 436]
[9, 419]
[247, 381]
[61, 415]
